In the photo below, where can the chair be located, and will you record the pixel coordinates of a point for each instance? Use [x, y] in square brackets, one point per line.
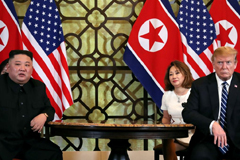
[158, 151]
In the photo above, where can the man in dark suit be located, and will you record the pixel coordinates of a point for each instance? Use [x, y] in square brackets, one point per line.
[24, 109]
[203, 109]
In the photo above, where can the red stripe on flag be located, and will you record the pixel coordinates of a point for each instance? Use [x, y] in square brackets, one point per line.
[53, 103]
[63, 61]
[206, 60]
[65, 68]
[193, 64]
[46, 70]
[211, 48]
[52, 80]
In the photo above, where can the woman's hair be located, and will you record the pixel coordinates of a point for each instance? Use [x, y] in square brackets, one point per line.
[3, 64]
[183, 68]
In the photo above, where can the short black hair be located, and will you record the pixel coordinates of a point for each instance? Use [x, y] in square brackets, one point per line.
[16, 52]
[3, 64]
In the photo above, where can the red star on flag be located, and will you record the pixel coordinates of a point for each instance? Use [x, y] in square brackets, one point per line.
[152, 35]
[224, 35]
[1, 30]
[9, 25]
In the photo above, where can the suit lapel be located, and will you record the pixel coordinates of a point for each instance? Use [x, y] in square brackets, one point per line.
[213, 90]
[233, 95]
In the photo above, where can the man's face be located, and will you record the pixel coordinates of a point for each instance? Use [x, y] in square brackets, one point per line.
[224, 66]
[20, 68]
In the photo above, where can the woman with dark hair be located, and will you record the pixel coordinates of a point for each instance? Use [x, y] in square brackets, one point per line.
[178, 81]
[3, 68]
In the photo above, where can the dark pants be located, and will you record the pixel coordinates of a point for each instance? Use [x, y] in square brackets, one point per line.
[206, 150]
[41, 149]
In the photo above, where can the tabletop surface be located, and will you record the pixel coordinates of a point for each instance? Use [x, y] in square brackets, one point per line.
[116, 123]
[117, 129]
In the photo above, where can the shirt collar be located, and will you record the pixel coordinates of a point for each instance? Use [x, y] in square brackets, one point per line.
[16, 87]
[219, 81]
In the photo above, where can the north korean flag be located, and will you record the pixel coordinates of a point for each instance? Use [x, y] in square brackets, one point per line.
[153, 43]
[226, 17]
[10, 35]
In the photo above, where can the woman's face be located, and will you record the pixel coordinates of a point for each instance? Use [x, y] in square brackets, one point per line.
[4, 70]
[176, 77]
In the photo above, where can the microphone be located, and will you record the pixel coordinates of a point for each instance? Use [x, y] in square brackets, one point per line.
[184, 104]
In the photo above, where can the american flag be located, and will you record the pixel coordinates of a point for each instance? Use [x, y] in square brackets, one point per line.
[197, 33]
[43, 35]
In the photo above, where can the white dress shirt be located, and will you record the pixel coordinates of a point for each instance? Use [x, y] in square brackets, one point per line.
[220, 86]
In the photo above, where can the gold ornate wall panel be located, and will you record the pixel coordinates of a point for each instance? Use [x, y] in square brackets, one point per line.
[103, 87]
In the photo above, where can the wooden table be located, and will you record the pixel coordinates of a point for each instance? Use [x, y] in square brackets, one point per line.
[118, 131]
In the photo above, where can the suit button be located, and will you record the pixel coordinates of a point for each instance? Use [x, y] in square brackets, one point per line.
[23, 116]
[21, 103]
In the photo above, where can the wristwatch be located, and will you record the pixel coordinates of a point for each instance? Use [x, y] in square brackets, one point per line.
[46, 114]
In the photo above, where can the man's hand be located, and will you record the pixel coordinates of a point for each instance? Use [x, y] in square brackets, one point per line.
[220, 137]
[38, 122]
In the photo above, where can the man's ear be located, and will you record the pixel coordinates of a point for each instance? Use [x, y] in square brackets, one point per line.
[6, 67]
[236, 64]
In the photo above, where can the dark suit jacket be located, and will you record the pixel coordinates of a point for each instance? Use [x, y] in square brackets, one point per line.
[15, 129]
[203, 107]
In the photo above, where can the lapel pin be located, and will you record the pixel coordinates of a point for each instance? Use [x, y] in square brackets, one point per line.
[235, 86]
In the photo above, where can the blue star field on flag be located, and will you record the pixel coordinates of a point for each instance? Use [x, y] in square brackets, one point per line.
[196, 24]
[45, 25]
